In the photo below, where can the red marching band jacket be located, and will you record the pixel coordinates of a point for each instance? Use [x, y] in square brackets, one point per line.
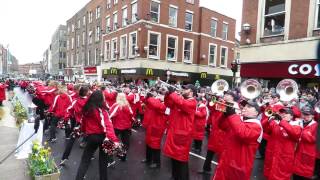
[3, 91]
[243, 138]
[121, 117]
[97, 122]
[110, 97]
[200, 121]
[60, 105]
[157, 122]
[282, 143]
[75, 109]
[181, 121]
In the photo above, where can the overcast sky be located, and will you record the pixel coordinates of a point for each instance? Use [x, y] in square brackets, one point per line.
[27, 25]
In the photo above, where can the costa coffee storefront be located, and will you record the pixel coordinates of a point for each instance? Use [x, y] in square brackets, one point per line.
[305, 73]
[92, 73]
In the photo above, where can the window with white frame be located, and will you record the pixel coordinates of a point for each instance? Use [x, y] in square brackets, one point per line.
[98, 12]
[83, 38]
[90, 17]
[132, 44]
[84, 21]
[123, 47]
[172, 48]
[114, 51]
[317, 26]
[115, 2]
[107, 50]
[188, 21]
[72, 43]
[78, 40]
[79, 24]
[77, 59]
[69, 29]
[68, 63]
[108, 27]
[68, 44]
[108, 4]
[124, 17]
[98, 31]
[223, 56]
[187, 50]
[90, 37]
[225, 27]
[115, 21]
[212, 54]
[213, 27]
[274, 17]
[154, 11]
[72, 28]
[154, 45]
[96, 56]
[173, 16]
[72, 60]
[134, 12]
[190, 1]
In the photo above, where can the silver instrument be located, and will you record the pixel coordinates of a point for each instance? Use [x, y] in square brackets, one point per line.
[287, 89]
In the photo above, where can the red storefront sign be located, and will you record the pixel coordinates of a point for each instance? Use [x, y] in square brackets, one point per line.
[288, 69]
[90, 70]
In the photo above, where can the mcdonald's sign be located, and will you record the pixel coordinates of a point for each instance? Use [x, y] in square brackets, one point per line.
[217, 76]
[105, 72]
[203, 75]
[114, 71]
[149, 72]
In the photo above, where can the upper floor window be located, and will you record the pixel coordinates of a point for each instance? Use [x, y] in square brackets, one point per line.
[318, 14]
[115, 2]
[188, 21]
[172, 48]
[132, 44]
[114, 51]
[213, 28]
[83, 38]
[115, 21]
[190, 1]
[123, 46]
[79, 23]
[274, 17]
[224, 57]
[154, 11]
[108, 28]
[98, 31]
[98, 12]
[72, 27]
[90, 17]
[107, 50]
[124, 17]
[84, 20]
[225, 31]
[134, 12]
[108, 4]
[173, 16]
[212, 54]
[154, 45]
[187, 50]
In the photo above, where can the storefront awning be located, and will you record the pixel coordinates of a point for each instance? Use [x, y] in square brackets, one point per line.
[287, 69]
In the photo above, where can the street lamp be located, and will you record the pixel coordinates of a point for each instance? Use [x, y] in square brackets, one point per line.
[234, 68]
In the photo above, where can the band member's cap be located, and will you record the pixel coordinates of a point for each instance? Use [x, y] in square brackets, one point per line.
[307, 110]
[286, 110]
[273, 95]
[253, 104]
[191, 87]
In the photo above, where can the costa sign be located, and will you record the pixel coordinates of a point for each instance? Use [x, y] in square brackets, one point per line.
[90, 70]
[304, 69]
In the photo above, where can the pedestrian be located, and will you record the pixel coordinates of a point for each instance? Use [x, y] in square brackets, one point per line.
[2, 93]
[98, 127]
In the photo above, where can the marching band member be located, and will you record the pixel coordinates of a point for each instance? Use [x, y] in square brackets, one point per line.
[243, 135]
[285, 133]
[121, 116]
[58, 109]
[2, 92]
[181, 120]
[99, 128]
[74, 112]
[155, 129]
[305, 155]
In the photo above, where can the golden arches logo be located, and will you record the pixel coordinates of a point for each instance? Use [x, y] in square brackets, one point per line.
[149, 72]
[203, 75]
[114, 71]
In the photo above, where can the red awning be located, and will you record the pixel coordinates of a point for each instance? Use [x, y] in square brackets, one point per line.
[287, 69]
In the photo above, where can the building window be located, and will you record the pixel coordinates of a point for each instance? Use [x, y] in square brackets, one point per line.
[98, 12]
[225, 31]
[107, 50]
[108, 4]
[115, 2]
[318, 15]
[172, 48]
[114, 51]
[132, 44]
[154, 45]
[123, 47]
[96, 56]
[213, 27]
[187, 50]
[190, 1]
[154, 11]
[84, 21]
[115, 21]
[224, 56]
[72, 60]
[173, 16]
[90, 17]
[90, 37]
[88, 58]
[212, 54]
[98, 31]
[72, 43]
[83, 38]
[79, 24]
[108, 28]
[188, 21]
[68, 45]
[77, 59]
[134, 12]
[274, 17]
[78, 40]
[124, 17]
[72, 28]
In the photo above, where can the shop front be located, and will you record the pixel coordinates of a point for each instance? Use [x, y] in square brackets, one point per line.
[92, 73]
[304, 72]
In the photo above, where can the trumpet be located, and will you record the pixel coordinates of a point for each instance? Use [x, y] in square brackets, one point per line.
[269, 112]
[164, 84]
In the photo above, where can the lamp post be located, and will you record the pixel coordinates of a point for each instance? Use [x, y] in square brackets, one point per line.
[234, 68]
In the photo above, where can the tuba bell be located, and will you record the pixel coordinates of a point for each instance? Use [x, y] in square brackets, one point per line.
[250, 89]
[287, 89]
[219, 87]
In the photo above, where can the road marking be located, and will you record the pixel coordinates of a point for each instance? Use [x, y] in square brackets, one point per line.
[191, 153]
[198, 156]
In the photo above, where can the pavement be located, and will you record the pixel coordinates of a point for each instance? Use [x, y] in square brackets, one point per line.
[12, 168]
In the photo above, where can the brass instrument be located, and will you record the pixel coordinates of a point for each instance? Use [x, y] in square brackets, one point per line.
[219, 87]
[250, 89]
[287, 89]
[269, 112]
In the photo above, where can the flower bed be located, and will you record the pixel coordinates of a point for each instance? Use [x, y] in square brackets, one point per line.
[20, 113]
[41, 164]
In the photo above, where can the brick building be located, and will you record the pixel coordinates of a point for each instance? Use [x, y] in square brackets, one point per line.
[146, 39]
[34, 70]
[279, 38]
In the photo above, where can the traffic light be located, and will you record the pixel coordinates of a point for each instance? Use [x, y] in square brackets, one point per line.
[234, 67]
